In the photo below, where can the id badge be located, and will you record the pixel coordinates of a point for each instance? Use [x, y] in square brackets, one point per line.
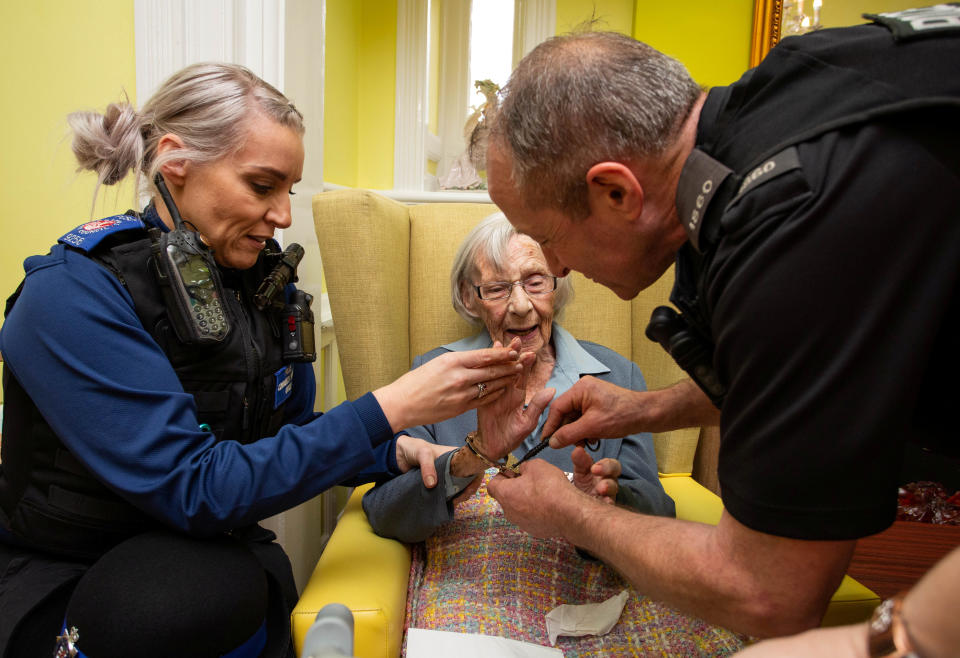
[283, 379]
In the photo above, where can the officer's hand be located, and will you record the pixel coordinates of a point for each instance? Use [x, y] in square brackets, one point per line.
[591, 409]
[449, 385]
[417, 453]
[541, 501]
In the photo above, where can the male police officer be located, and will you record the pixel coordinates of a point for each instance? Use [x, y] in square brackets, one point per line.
[811, 212]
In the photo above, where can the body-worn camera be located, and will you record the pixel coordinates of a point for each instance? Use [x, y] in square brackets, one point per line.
[283, 273]
[189, 280]
[688, 349]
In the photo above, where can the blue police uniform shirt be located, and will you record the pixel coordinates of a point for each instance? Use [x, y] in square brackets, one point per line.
[76, 345]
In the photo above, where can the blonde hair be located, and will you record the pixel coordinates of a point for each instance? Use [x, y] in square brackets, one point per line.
[204, 104]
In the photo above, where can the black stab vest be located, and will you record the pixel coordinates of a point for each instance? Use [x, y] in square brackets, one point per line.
[48, 499]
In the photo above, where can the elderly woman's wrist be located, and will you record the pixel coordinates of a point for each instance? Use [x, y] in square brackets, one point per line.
[464, 463]
[480, 443]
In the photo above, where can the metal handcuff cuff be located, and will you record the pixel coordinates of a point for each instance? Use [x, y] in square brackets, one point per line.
[511, 467]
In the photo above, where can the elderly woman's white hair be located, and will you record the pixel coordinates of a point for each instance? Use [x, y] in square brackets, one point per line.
[489, 240]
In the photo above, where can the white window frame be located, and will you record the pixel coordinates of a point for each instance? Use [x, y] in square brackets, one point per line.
[535, 21]
[170, 34]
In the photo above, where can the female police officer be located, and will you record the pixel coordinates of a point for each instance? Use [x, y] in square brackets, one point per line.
[153, 414]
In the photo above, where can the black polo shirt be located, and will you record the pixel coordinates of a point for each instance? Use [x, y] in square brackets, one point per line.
[831, 290]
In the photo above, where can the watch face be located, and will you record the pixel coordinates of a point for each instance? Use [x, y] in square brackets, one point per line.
[887, 635]
[882, 617]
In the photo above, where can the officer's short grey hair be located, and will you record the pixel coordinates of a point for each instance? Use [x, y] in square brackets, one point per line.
[579, 99]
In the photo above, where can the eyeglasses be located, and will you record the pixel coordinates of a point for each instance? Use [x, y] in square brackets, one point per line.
[535, 285]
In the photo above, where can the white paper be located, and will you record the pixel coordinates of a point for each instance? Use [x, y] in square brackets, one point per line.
[586, 619]
[423, 643]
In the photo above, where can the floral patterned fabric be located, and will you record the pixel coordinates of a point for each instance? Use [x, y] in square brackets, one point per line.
[481, 574]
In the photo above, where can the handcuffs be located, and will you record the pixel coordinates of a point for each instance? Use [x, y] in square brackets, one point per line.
[511, 467]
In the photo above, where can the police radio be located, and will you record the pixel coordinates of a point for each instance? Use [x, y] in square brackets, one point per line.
[295, 316]
[688, 349]
[189, 279]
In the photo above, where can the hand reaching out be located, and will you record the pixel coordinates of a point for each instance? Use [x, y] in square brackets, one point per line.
[595, 409]
[418, 453]
[591, 409]
[540, 500]
[448, 385]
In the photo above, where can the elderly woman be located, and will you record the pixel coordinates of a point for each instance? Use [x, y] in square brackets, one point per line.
[500, 281]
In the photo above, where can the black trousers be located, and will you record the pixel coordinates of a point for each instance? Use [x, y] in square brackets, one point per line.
[156, 594]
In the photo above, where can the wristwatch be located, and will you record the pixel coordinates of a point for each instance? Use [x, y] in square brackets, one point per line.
[887, 634]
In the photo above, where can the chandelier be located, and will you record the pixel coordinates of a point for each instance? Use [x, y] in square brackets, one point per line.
[796, 20]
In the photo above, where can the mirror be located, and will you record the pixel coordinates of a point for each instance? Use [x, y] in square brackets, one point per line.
[767, 16]
[773, 19]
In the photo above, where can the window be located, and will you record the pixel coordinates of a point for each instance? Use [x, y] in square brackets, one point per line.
[491, 44]
[473, 42]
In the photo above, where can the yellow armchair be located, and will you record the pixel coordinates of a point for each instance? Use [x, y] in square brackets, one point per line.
[386, 266]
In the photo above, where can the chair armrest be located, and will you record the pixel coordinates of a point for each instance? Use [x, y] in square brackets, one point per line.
[850, 604]
[693, 500]
[364, 572]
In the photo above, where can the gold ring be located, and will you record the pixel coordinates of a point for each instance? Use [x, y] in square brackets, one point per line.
[481, 390]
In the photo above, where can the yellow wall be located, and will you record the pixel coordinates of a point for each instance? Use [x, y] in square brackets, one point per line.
[57, 57]
[341, 92]
[711, 38]
[378, 66]
[359, 92]
[613, 15]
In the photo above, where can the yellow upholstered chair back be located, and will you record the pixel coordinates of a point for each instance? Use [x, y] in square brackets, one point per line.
[387, 269]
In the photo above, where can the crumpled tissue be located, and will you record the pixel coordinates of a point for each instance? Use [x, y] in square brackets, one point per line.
[586, 619]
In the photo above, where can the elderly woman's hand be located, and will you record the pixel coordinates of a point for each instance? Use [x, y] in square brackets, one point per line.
[599, 479]
[504, 423]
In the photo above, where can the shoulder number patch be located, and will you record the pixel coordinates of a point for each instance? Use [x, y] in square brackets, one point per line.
[87, 236]
[916, 23]
[784, 161]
